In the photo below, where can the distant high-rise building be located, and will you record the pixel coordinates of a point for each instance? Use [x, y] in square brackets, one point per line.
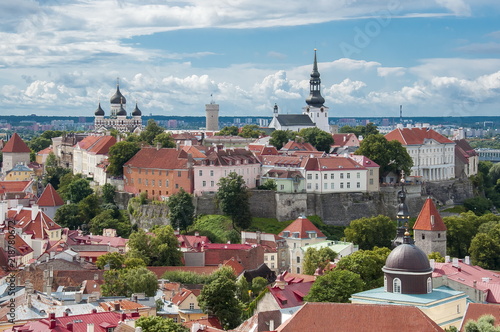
[212, 116]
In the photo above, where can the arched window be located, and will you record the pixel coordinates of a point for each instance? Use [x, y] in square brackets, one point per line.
[385, 283]
[423, 236]
[429, 285]
[396, 285]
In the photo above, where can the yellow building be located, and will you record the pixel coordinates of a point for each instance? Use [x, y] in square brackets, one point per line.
[20, 172]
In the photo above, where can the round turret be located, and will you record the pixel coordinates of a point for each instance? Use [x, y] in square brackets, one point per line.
[118, 98]
[122, 111]
[136, 111]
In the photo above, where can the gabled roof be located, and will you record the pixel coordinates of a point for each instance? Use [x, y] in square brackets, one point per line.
[20, 168]
[181, 296]
[14, 186]
[364, 161]
[97, 144]
[283, 161]
[333, 163]
[45, 151]
[192, 241]
[471, 276]
[294, 120]
[296, 146]
[194, 151]
[149, 157]
[18, 244]
[476, 310]
[465, 146]
[429, 218]
[302, 226]
[38, 225]
[345, 140]
[16, 145]
[50, 197]
[416, 136]
[358, 317]
[291, 295]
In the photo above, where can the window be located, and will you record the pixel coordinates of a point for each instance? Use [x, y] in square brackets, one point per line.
[429, 285]
[298, 270]
[341, 175]
[159, 183]
[348, 175]
[140, 171]
[139, 180]
[358, 175]
[159, 172]
[272, 257]
[332, 176]
[341, 185]
[146, 182]
[325, 176]
[458, 308]
[147, 171]
[371, 172]
[153, 172]
[282, 187]
[272, 265]
[176, 186]
[325, 185]
[358, 185]
[423, 236]
[211, 173]
[385, 283]
[166, 183]
[204, 183]
[396, 286]
[298, 259]
[153, 183]
[317, 176]
[308, 186]
[371, 182]
[175, 319]
[191, 306]
[309, 176]
[179, 174]
[317, 186]
[212, 183]
[439, 235]
[348, 185]
[332, 185]
[200, 172]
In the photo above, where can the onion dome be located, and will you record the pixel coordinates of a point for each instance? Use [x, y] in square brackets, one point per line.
[315, 99]
[118, 98]
[136, 111]
[99, 111]
[122, 111]
[407, 257]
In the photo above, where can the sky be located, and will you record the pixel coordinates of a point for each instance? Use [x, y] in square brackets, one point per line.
[433, 57]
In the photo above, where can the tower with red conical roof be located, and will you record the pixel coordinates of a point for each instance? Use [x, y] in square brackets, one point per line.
[15, 152]
[429, 230]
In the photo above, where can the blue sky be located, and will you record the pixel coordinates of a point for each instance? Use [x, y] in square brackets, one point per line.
[434, 57]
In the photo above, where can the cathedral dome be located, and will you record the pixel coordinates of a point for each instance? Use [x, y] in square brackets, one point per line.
[121, 111]
[118, 98]
[136, 111]
[407, 258]
[99, 111]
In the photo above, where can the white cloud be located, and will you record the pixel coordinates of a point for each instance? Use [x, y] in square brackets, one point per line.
[390, 71]
[457, 7]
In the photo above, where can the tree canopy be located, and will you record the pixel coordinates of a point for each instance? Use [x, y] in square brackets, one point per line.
[229, 131]
[149, 133]
[318, 138]
[233, 198]
[160, 249]
[159, 324]
[165, 140]
[317, 258]
[280, 137]
[365, 131]
[391, 156]
[76, 190]
[335, 286]
[251, 131]
[125, 282]
[181, 209]
[371, 232]
[485, 323]
[119, 154]
[218, 298]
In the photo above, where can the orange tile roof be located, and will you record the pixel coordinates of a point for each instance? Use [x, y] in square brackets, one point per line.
[345, 140]
[194, 151]
[425, 221]
[358, 317]
[102, 145]
[181, 296]
[333, 163]
[50, 197]
[292, 145]
[14, 186]
[415, 136]
[16, 145]
[149, 157]
[38, 226]
[45, 151]
[87, 142]
[302, 225]
[124, 305]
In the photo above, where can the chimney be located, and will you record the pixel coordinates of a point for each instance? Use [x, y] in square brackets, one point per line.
[34, 211]
[124, 316]
[65, 314]
[117, 306]
[69, 327]
[196, 233]
[90, 327]
[52, 320]
[467, 260]
[447, 259]
[94, 311]
[432, 262]
[78, 297]
[158, 146]
[271, 325]
[455, 262]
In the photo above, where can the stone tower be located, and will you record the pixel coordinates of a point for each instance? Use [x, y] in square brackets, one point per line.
[429, 230]
[212, 116]
[315, 108]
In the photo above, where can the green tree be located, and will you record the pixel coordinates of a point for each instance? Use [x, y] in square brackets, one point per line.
[243, 289]
[115, 260]
[115, 283]
[141, 280]
[49, 134]
[318, 138]
[436, 256]
[39, 143]
[110, 218]
[485, 323]
[68, 215]
[335, 286]
[367, 264]
[258, 285]
[229, 131]
[89, 207]
[494, 173]
[233, 198]
[53, 173]
[108, 193]
[280, 137]
[371, 232]
[218, 298]
[269, 184]
[165, 140]
[181, 209]
[365, 131]
[77, 190]
[133, 263]
[485, 249]
[461, 230]
[119, 154]
[160, 249]
[159, 324]
[251, 131]
[314, 259]
[391, 156]
[150, 132]
[479, 205]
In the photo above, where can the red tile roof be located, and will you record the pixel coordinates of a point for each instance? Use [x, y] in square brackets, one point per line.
[345, 140]
[429, 218]
[45, 151]
[347, 317]
[295, 146]
[149, 157]
[16, 145]
[20, 246]
[476, 310]
[302, 226]
[210, 324]
[364, 161]
[192, 242]
[50, 197]
[97, 144]
[38, 225]
[14, 186]
[181, 296]
[333, 163]
[472, 276]
[291, 295]
[415, 136]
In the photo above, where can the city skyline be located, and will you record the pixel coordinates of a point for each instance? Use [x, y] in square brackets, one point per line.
[436, 58]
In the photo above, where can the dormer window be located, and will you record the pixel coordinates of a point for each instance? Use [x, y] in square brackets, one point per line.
[286, 234]
[296, 235]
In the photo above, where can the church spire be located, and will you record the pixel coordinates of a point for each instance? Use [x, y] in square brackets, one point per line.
[315, 99]
[402, 216]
